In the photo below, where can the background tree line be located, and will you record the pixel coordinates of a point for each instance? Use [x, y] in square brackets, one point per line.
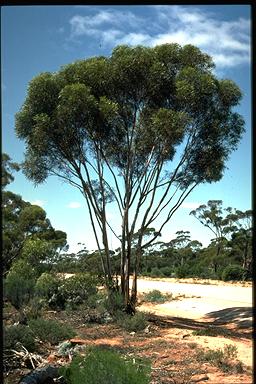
[227, 257]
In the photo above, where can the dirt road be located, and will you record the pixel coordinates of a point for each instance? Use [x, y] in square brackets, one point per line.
[200, 299]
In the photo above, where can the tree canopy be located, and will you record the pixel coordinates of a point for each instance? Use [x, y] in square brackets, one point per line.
[23, 222]
[140, 128]
[231, 230]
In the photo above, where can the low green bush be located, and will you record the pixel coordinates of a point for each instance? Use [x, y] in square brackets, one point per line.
[104, 366]
[77, 289]
[51, 330]
[135, 323]
[34, 308]
[221, 358]
[113, 302]
[20, 283]
[167, 271]
[156, 272]
[46, 285]
[22, 334]
[156, 296]
[183, 271]
[96, 301]
[233, 272]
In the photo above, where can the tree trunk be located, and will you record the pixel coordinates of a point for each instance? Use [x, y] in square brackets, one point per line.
[127, 283]
[135, 277]
[123, 259]
[106, 248]
[245, 255]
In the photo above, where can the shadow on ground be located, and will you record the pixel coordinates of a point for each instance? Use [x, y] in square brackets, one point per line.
[241, 317]
[217, 321]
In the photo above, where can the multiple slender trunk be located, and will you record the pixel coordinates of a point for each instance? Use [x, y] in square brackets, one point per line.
[140, 192]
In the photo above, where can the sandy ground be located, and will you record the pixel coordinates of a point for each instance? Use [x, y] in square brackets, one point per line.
[200, 299]
[196, 302]
[224, 305]
[168, 338]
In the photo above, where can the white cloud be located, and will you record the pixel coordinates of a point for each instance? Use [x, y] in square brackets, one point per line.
[135, 39]
[38, 202]
[74, 205]
[228, 42]
[190, 205]
[88, 25]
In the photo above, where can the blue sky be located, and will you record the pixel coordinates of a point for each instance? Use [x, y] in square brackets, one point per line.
[42, 38]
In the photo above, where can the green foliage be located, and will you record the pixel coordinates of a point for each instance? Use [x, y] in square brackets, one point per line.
[104, 366]
[156, 296]
[182, 271]
[233, 272]
[34, 308]
[7, 167]
[18, 334]
[78, 288]
[50, 330]
[97, 300]
[23, 221]
[46, 285]
[167, 271]
[233, 233]
[129, 112]
[156, 272]
[20, 283]
[114, 302]
[13, 236]
[221, 358]
[33, 218]
[37, 251]
[27, 233]
[135, 323]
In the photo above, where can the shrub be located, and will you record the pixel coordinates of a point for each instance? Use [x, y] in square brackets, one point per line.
[156, 296]
[51, 330]
[103, 366]
[20, 283]
[167, 271]
[233, 272]
[221, 358]
[201, 271]
[77, 289]
[114, 302]
[97, 300]
[18, 333]
[47, 285]
[230, 351]
[34, 308]
[156, 272]
[183, 271]
[137, 322]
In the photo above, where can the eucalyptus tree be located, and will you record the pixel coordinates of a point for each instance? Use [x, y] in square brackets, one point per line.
[140, 128]
[22, 221]
[232, 228]
[183, 248]
[211, 216]
[8, 166]
[25, 223]
[241, 236]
